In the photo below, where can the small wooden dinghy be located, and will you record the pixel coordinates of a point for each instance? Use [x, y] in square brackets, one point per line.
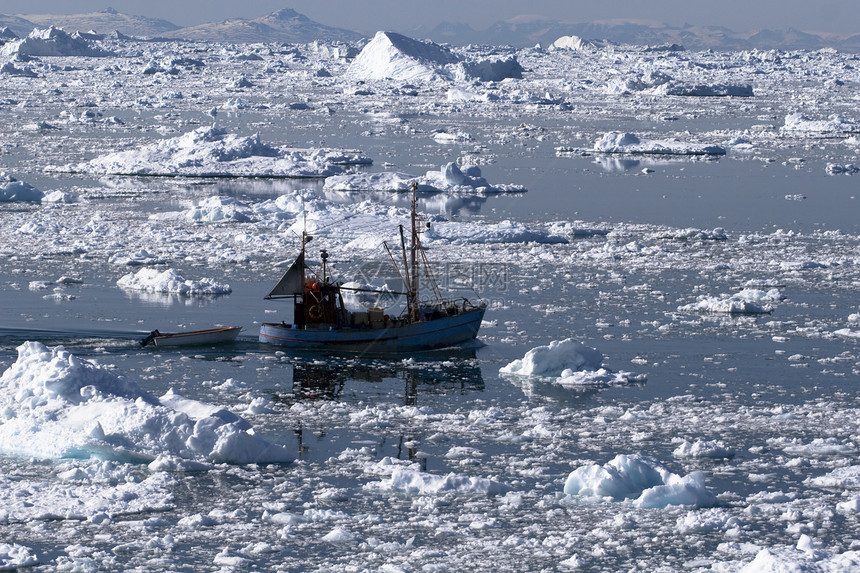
[193, 337]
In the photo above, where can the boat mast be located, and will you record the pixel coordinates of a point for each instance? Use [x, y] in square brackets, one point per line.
[413, 254]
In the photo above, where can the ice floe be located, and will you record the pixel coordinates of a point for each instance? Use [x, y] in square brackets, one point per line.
[802, 557]
[448, 179]
[503, 232]
[747, 301]
[170, 281]
[834, 124]
[414, 482]
[55, 405]
[84, 495]
[212, 152]
[618, 142]
[219, 209]
[844, 478]
[640, 479]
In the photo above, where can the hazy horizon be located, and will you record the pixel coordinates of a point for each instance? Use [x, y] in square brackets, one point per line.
[827, 17]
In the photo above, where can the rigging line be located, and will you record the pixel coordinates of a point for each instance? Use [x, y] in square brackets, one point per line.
[429, 271]
[387, 202]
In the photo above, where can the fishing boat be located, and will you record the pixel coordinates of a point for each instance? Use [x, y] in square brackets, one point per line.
[321, 320]
[192, 337]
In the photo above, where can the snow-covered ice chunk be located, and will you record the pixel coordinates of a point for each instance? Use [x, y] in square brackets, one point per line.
[340, 535]
[14, 556]
[641, 479]
[703, 449]
[493, 69]
[747, 301]
[847, 332]
[170, 281]
[620, 142]
[452, 136]
[55, 405]
[568, 362]
[817, 447]
[566, 355]
[656, 82]
[81, 496]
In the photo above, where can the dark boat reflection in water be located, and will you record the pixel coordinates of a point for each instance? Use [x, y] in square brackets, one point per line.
[349, 380]
[315, 380]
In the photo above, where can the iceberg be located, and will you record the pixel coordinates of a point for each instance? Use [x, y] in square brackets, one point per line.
[53, 42]
[396, 57]
[576, 44]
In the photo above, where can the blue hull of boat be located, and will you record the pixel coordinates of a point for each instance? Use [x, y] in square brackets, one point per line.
[437, 333]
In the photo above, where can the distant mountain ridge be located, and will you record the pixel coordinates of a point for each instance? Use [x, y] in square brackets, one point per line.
[289, 26]
[525, 31]
[106, 21]
[285, 25]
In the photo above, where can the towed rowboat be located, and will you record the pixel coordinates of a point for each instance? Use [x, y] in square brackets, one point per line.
[193, 337]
